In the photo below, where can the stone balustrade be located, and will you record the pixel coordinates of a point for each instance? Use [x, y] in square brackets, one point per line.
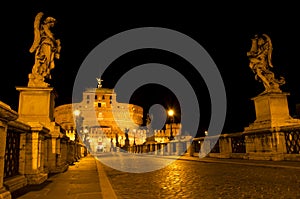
[29, 151]
[274, 144]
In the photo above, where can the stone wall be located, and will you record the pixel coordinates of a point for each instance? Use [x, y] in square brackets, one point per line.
[29, 151]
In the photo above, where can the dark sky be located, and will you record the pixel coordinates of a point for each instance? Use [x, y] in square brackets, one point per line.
[225, 35]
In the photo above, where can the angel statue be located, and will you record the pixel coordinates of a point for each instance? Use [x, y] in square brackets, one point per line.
[99, 80]
[46, 48]
[260, 63]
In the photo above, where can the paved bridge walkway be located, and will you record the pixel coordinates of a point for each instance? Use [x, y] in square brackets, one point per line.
[188, 177]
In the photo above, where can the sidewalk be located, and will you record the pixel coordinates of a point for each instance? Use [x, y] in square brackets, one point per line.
[81, 180]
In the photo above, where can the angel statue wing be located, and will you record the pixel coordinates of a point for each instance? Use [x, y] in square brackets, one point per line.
[37, 36]
[270, 49]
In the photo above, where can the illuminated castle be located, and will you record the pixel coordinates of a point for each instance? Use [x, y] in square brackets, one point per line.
[101, 121]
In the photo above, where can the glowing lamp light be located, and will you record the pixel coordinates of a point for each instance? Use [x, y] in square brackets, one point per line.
[206, 133]
[76, 112]
[170, 112]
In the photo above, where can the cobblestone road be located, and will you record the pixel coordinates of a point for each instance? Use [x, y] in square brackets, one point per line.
[194, 179]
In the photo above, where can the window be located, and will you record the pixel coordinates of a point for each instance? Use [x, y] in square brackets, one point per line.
[99, 105]
[103, 97]
[95, 97]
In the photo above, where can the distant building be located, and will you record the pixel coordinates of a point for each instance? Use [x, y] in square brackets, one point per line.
[101, 120]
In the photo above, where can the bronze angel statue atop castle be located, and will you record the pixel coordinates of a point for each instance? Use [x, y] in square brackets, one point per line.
[46, 49]
[260, 56]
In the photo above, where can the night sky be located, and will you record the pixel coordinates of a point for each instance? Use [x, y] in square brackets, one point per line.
[225, 35]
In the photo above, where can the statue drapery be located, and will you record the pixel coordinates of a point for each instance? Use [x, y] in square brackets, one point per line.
[260, 57]
[46, 49]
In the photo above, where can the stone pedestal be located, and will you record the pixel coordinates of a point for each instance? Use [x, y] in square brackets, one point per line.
[71, 154]
[35, 151]
[191, 148]
[271, 111]
[52, 155]
[171, 146]
[179, 148]
[36, 108]
[205, 148]
[36, 104]
[156, 149]
[64, 150]
[163, 149]
[263, 138]
[225, 147]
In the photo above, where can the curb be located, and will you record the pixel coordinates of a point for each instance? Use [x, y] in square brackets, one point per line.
[232, 162]
[105, 186]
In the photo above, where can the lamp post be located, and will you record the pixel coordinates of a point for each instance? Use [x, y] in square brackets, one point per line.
[171, 115]
[121, 142]
[206, 133]
[77, 134]
[134, 144]
[126, 130]
[111, 144]
[134, 132]
[117, 140]
[85, 135]
[77, 114]
[78, 122]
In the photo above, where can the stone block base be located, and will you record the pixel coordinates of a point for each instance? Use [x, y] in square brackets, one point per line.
[214, 155]
[292, 157]
[267, 125]
[264, 156]
[59, 169]
[4, 194]
[36, 178]
[238, 156]
[15, 183]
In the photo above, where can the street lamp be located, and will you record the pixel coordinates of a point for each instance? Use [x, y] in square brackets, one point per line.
[76, 112]
[206, 133]
[85, 135]
[134, 132]
[78, 121]
[117, 140]
[121, 142]
[171, 115]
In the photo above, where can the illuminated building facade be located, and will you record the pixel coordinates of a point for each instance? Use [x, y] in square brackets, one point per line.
[102, 121]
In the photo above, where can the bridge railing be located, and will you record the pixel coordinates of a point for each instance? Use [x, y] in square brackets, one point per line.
[269, 144]
[28, 152]
[279, 144]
